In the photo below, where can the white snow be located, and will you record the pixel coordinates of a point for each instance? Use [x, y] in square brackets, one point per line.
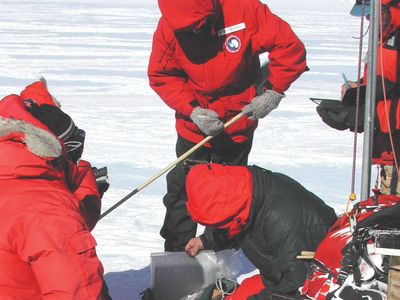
[94, 55]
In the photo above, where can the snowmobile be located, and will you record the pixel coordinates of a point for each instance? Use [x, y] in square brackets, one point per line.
[355, 259]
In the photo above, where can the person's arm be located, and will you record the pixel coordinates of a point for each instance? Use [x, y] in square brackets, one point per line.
[287, 54]
[61, 252]
[350, 85]
[166, 77]
[84, 187]
[211, 239]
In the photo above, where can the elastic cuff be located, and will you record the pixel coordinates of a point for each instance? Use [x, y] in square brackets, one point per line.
[205, 242]
[268, 86]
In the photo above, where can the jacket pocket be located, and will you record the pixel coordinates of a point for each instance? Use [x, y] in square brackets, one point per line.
[83, 242]
[83, 246]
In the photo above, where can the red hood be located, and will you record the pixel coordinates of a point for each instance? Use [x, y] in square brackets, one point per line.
[219, 196]
[13, 107]
[26, 145]
[184, 14]
[38, 92]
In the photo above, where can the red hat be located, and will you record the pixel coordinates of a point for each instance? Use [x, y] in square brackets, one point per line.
[219, 196]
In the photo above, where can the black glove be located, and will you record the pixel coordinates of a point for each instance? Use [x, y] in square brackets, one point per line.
[340, 116]
[101, 176]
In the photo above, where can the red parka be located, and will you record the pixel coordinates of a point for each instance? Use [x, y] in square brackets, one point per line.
[388, 86]
[46, 249]
[79, 178]
[218, 72]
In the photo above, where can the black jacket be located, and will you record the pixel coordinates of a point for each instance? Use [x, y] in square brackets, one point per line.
[285, 219]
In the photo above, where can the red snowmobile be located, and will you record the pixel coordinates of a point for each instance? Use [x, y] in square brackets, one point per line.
[352, 262]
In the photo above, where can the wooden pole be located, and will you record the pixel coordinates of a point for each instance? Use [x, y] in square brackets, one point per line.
[169, 167]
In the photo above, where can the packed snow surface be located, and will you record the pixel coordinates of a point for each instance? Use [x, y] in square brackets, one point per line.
[94, 55]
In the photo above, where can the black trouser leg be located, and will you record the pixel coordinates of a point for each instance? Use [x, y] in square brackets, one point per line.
[393, 183]
[178, 227]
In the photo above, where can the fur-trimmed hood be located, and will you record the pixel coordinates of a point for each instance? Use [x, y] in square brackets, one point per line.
[26, 145]
[37, 140]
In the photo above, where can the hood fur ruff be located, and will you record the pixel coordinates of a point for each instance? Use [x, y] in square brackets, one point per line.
[37, 140]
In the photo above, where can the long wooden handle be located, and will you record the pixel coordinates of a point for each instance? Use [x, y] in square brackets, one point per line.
[186, 154]
[170, 166]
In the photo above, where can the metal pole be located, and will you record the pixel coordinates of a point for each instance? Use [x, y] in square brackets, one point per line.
[370, 99]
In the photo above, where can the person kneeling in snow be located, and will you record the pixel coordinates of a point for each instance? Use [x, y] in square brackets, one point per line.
[270, 216]
[46, 248]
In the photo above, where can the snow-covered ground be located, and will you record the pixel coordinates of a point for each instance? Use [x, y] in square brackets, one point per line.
[94, 55]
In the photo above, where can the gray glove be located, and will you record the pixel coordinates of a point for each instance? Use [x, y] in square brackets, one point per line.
[262, 105]
[207, 121]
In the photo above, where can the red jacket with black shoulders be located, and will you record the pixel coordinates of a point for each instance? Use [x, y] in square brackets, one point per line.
[218, 72]
[388, 90]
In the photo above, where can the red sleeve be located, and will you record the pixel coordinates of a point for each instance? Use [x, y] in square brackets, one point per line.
[84, 182]
[166, 77]
[84, 188]
[287, 53]
[61, 252]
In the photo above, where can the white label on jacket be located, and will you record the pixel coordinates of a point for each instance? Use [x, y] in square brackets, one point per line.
[231, 29]
[391, 42]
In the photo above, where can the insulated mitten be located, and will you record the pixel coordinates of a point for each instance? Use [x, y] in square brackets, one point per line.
[340, 116]
[262, 105]
[351, 118]
[207, 121]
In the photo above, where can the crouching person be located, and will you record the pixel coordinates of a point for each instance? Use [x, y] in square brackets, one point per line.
[270, 216]
[46, 248]
[87, 188]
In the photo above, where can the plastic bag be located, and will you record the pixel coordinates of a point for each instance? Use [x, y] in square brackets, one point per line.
[227, 266]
